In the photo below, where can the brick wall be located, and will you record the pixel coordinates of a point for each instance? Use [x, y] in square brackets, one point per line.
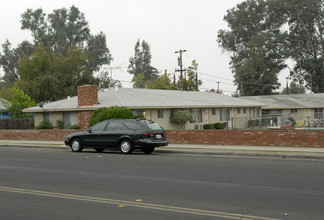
[280, 138]
[37, 135]
[283, 138]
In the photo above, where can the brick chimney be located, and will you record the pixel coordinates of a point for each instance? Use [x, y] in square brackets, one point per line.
[87, 95]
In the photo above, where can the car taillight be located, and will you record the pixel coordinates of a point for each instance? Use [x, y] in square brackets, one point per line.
[164, 134]
[148, 134]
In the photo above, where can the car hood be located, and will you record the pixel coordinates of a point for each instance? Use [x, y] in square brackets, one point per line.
[77, 134]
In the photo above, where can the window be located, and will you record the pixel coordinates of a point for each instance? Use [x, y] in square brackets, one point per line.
[196, 115]
[214, 111]
[133, 125]
[154, 126]
[160, 113]
[293, 111]
[68, 119]
[256, 112]
[238, 111]
[99, 126]
[318, 113]
[138, 113]
[224, 114]
[47, 117]
[114, 126]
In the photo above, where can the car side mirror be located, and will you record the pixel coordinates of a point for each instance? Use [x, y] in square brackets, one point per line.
[89, 130]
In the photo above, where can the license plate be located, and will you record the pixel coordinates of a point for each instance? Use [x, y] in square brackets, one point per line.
[158, 136]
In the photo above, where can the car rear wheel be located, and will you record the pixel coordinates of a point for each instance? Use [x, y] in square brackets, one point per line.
[126, 146]
[99, 150]
[148, 150]
[76, 145]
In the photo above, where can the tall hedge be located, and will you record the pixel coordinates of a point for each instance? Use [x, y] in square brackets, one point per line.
[102, 114]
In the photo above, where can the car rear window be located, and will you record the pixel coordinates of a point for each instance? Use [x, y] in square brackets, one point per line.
[154, 126]
[133, 125]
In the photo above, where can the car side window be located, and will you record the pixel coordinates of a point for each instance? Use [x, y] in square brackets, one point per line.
[133, 125]
[114, 126]
[99, 127]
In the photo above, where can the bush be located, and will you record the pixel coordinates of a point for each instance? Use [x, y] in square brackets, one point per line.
[208, 126]
[218, 125]
[253, 123]
[102, 114]
[74, 127]
[181, 118]
[60, 124]
[44, 125]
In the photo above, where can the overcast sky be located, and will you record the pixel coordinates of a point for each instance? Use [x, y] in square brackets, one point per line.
[166, 25]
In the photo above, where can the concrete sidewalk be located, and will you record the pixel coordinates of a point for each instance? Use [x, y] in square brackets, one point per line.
[255, 151]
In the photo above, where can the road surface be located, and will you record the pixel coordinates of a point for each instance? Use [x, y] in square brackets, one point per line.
[58, 184]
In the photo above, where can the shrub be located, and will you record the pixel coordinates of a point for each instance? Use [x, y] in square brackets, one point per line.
[181, 118]
[60, 124]
[102, 114]
[208, 126]
[74, 127]
[44, 125]
[218, 125]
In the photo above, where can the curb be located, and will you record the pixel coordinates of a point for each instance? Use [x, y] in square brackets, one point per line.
[197, 151]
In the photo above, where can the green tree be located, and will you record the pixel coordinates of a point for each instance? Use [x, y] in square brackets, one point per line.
[141, 64]
[294, 88]
[102, 114]
[10, 57]
[19, 101]
[105, 80]
[48, 76]
[181, 118]
[306, 31]
[191, 82]
[163, 82]
[257, 43]
[61, 30]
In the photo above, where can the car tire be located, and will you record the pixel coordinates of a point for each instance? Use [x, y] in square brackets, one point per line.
[148, 150]
[76, 145]
[99, 150]
[126, 147]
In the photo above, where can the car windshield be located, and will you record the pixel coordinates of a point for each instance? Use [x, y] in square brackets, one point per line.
[154, 126]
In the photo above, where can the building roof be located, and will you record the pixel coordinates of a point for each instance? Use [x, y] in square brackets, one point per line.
[290, 101]
[149, 99]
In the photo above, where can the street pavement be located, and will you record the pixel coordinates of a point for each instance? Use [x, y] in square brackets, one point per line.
[252, 151]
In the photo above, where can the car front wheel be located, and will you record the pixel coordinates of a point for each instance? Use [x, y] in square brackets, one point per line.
[126, 146]
[76, 145]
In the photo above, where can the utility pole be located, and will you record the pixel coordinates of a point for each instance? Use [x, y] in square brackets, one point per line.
[241, 89]
[218, 87]
[180, 64]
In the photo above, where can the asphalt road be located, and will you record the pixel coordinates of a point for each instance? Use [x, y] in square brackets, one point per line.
[58, 184]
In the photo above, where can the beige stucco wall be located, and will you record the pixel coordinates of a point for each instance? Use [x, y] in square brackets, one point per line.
[38, 117]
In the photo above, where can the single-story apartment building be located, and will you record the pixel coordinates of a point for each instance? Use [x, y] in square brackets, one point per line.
[300, 107]
[157, 105]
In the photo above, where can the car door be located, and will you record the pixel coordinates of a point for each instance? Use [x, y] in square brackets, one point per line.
[94, 138]
[112, 133]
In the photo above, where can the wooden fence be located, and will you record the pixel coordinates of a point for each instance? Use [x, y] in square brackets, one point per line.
[17, 123]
